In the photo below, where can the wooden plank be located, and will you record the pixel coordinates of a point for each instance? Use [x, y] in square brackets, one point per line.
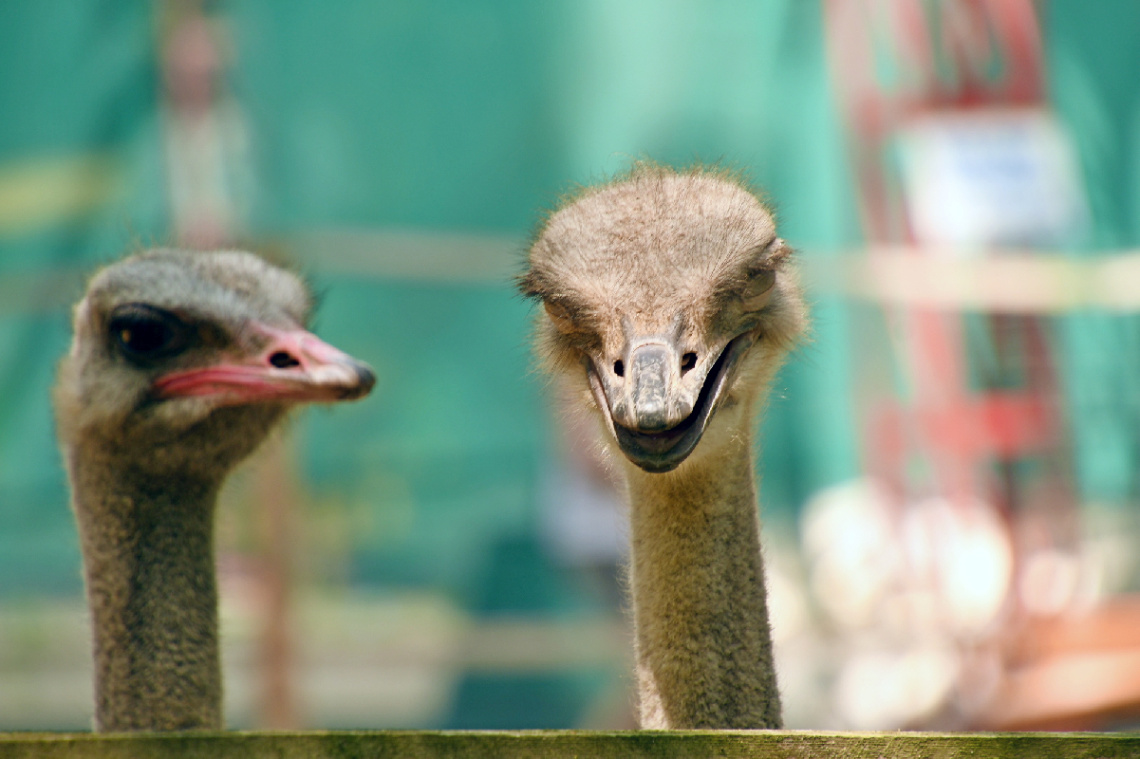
[1003, 281]
[583, 745]
[1016, 282]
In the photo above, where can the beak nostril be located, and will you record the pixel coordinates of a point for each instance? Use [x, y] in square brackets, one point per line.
[619, 368]
[283, 360]
[688, 361]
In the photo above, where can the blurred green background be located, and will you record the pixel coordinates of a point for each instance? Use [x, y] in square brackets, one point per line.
[400, 153]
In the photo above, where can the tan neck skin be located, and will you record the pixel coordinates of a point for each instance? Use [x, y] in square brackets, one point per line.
[149, 566]
[704, 646]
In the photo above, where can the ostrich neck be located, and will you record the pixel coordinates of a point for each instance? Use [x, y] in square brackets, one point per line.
[148, 558]
[704, 648]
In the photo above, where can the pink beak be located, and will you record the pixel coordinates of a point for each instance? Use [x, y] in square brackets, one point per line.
[295, 366]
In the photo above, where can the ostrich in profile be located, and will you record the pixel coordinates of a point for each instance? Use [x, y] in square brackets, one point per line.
[180, 365]
[669, 305]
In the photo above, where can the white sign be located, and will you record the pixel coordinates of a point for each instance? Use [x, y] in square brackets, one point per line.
[977, 179]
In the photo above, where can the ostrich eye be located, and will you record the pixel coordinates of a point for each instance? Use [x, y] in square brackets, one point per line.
[759, 291]
[143, 332]
[560, 316]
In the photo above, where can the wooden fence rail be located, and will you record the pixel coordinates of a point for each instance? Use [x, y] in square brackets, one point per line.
[579, 744]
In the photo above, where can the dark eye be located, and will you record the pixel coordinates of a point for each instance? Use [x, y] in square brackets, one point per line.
[144, 332]
[759, 290]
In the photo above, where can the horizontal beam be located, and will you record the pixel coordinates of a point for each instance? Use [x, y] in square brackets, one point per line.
[1003, 281]
[424, 256]
[583, 745]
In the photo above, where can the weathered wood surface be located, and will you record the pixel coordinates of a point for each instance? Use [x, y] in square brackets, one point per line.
[582, 745]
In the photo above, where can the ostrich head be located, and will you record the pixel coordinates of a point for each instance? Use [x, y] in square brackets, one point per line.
[183, 361]
[669, 303]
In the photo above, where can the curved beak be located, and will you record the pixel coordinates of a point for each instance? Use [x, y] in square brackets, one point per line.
[292, 366]
[658, 409]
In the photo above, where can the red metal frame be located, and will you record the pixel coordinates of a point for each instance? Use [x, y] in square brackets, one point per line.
[894, 60]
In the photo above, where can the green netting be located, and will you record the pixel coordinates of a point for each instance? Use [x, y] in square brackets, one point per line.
[78, 97]
[477, 115]
[471, 117]
[1092, 65]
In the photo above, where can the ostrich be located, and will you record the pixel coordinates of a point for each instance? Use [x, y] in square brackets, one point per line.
[669, 305]
[181, 364]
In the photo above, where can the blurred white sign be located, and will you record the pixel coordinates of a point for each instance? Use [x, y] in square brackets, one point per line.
[974, 179]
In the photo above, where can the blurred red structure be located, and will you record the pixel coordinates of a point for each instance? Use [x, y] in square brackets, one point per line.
[902, 64]
[940, 63]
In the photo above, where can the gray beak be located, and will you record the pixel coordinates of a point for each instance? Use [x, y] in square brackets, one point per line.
[655, 397]
[656, 408]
